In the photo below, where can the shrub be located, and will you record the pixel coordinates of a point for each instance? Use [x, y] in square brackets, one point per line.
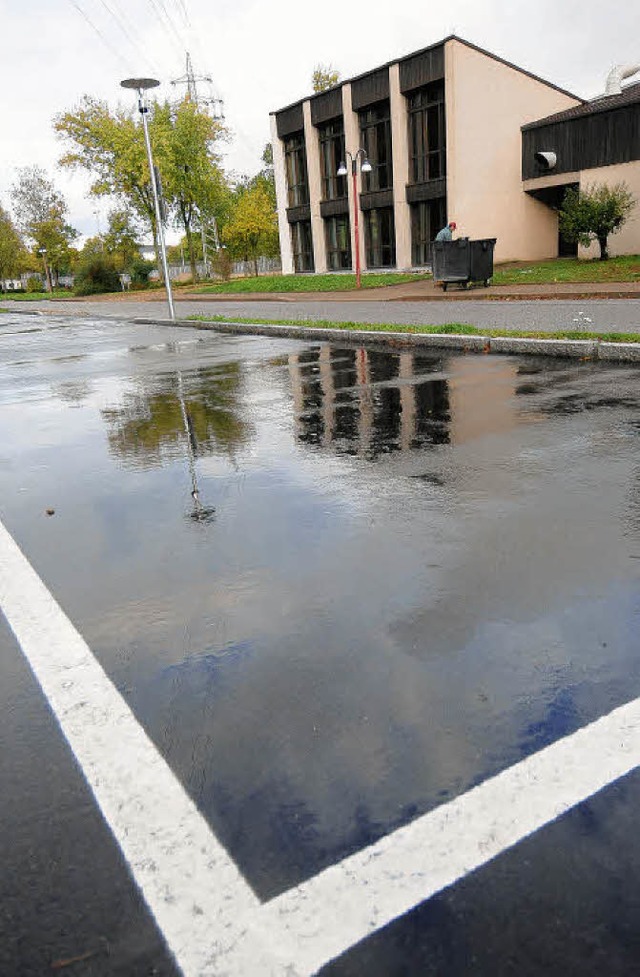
[35, 284]
[222, 264]
[97, 274]
[139, 271]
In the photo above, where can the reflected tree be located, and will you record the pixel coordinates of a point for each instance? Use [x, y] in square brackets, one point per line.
[149, 428]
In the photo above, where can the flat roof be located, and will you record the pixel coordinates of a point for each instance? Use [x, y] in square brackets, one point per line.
[424, 50]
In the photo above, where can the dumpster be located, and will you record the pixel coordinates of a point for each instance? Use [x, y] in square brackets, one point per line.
[463, 261]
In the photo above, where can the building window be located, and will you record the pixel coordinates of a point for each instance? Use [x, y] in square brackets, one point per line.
[427, 218]
[296, 164]
[338, 240]
[375, 134]
[302, 246]
[331, 141]
[380, 238]
[427, 134]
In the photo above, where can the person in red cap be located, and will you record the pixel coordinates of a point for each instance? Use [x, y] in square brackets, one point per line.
[446, 234]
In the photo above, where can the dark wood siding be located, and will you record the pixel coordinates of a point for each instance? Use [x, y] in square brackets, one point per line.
[426, 191]
[326, 106]
[289, 120]
[376, 199]
[584, 143]
[334, 208]
[421, 69]
[370, 88]
[295, 214]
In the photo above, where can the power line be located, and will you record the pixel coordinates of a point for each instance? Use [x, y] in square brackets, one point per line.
[107, 44]
[160, 11]
[117, 16]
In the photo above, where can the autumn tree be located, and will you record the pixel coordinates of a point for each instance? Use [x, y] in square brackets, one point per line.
[121, 238]
[594, 212]
[110, 146]
[12, 249]
[41, 216]
[252, 230]
[324, 76]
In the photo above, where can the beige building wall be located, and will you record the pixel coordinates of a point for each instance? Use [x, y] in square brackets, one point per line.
[627, 239]
[352, 144]
[315, 189]
[280, 176]
[400, 151]
[486, 103]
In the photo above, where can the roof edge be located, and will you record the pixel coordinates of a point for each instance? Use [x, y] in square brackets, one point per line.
[423, 50]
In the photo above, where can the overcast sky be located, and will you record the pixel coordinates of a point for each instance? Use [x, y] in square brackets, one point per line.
[261, 55]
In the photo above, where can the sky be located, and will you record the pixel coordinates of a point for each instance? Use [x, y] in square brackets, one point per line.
[260, 57]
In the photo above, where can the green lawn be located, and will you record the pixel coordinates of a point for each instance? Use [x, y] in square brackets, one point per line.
[306, 283]
[450, 329]
[623, 269]
[58, 293]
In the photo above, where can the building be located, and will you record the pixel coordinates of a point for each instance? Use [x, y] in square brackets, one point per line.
[451, 132]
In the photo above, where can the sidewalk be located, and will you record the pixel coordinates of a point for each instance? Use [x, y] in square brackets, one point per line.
[418, 291]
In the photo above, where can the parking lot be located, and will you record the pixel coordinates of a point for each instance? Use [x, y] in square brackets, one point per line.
[318, 657]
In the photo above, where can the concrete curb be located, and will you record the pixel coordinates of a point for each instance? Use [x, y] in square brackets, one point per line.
[619, 352]
[575, 348]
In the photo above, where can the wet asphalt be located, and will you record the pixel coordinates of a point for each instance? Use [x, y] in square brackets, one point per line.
[337, 587]
[580, 315]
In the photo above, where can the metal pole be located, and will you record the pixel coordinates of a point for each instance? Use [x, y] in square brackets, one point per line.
[156, 201]
[356, 226]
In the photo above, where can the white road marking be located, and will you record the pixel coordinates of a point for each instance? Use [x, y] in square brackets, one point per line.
[212, 922]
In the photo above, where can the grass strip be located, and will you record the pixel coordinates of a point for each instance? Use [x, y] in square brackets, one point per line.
[625, 268]
[306, 283]
[450, 329]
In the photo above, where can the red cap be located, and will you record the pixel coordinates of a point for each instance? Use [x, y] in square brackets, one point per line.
[452, 224]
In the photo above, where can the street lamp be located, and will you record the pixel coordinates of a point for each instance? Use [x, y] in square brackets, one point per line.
[43, 252]
[365, 167]
[141, 85]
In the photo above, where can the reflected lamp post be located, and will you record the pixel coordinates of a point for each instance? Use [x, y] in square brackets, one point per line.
[365, 167]
[141, 85]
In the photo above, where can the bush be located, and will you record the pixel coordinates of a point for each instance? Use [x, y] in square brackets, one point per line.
[97, 274]
[140, 270]
[222, 264]
[35, 284]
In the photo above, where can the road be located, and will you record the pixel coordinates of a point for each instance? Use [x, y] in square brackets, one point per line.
[571, 314]
[317, 659]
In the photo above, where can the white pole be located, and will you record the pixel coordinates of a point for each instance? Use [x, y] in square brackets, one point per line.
[163, 251]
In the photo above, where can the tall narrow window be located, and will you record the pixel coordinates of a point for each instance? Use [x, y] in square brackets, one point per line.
[302, 246]
[375, 133]
[296, 165]
[338, 239]
[427, 217]
[380, 238]
[332, 153]
[427, 135]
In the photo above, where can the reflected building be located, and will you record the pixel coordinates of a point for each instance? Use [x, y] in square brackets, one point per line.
[369, 402]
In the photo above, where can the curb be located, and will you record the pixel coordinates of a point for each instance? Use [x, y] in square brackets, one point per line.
[584, 349]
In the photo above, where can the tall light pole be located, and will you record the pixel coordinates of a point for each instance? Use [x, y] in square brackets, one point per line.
[365, 167]
[141, 85]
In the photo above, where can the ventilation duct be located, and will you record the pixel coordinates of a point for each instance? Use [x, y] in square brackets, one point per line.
[617, 75]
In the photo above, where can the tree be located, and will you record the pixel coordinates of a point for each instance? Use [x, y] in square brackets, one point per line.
[121, 239]
[12, 250]
[110, 145]
[324, 76]
[595, 212]
[253, 229]
[40, 213]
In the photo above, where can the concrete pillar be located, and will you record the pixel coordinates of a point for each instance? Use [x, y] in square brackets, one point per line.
[352, 143]
[400, 155]
[280, 175]
[315, 189]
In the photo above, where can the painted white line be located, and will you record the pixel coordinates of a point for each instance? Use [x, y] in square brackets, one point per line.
[210, 918]
[189, 882]
[350, 900]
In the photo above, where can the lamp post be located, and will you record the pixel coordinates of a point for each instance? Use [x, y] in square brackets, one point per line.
[47, 274]
[365, 167]
[141, 85]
